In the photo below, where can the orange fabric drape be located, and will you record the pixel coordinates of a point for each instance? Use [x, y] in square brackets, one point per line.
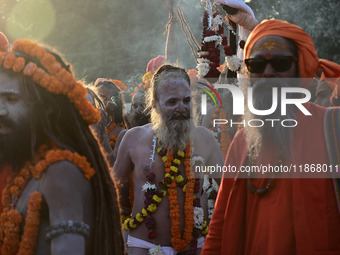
[309, 63]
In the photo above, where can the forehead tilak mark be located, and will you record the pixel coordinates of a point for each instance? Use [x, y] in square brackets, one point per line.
[269, 45]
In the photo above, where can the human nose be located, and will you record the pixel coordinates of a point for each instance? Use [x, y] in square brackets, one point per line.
[182, 107]
[269, 71]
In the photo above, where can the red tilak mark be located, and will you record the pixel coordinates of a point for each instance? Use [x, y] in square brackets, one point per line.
[268, 55]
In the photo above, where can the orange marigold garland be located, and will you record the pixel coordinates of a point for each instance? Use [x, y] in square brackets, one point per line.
[153, 197]
[11, 219]
[11, 232]
[31, 229]
[113, 138]
[54, 156]
[57, 80]
[180, 244]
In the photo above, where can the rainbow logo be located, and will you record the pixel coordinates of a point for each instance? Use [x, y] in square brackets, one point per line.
[209, 93]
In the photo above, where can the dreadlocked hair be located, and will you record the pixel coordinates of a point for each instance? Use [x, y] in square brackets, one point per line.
[55, 119]
[164, 72]
[98, 103]
[117, 98]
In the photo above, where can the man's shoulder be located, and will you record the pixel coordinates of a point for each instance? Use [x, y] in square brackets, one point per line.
[199, 130]
[136, 134]
[203, 133]
[145, 129]
[65, 176]
[66, 169]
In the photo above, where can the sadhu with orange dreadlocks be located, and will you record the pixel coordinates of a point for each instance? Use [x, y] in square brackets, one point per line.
[59, 198]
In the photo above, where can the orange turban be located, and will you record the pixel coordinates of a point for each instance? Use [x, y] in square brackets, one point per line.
[309, 63]
[4, 45]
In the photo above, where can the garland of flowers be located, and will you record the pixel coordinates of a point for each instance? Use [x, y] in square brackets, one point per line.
[209, 53]
[180, 244]
[210, 187]
[11, 219]
[153, 197]
[31, 228]
[55, 155]
[194, 220]
[113, 138]
[56, 79]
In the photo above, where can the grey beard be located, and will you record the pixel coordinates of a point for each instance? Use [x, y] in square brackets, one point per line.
[173, 134]
[277, 138]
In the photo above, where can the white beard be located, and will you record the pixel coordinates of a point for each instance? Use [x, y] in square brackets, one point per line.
[172, 134]
[277, 138]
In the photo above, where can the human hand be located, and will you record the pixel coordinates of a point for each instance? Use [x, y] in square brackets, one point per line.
[244, 17]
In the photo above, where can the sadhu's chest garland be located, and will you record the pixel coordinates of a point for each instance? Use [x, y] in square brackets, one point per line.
[194, 224]
[12, 242]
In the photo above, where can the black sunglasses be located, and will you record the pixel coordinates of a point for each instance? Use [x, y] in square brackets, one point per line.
[279, 63]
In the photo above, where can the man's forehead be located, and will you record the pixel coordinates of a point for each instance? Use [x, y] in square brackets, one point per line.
[174, 84]
[271, 43]
[9, 84]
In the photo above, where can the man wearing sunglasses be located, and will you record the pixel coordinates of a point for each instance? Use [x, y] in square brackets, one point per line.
[273, 215]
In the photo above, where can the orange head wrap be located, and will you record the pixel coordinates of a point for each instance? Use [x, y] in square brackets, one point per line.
[309, 63]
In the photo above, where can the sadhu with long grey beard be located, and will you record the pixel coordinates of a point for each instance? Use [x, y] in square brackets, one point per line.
[272, 215]
[169, 208]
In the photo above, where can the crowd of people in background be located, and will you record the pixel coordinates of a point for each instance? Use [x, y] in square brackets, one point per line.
[82, 172]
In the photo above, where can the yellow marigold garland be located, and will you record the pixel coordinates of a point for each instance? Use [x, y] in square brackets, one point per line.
[172, 179]
[57, 80]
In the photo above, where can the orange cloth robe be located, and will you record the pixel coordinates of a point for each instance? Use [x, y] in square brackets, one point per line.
[297, 216]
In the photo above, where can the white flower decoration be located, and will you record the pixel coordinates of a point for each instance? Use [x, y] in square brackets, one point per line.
[148, 185]
[216, 22]
[197, 159]
[211, 206]
[214, 38]
[156, 250]
[203, 53]
[198, 217]
[206, 183]
[202, 67]
[233, 62]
